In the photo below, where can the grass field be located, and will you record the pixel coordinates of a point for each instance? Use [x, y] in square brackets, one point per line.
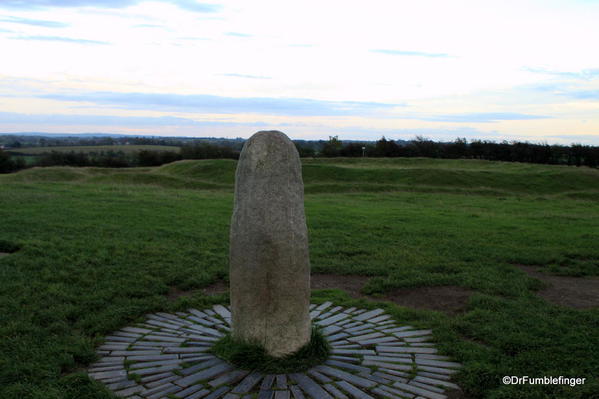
[99, 248]
[92, 149]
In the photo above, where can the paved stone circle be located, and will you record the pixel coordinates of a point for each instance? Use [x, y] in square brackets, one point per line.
[168, 356]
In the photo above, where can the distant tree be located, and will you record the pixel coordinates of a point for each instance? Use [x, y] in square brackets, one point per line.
[156, 158]
[5, 162]
[303, 150]
[424, 147]
[457, 149]
[332, 148]
[8, 164]
[352, 150]
[386, 148]
[207, 151]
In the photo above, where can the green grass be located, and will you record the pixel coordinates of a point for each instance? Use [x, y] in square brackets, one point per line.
[249, 356]
[99, 248]
[93, 148]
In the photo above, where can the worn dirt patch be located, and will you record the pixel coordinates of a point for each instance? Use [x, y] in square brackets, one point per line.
[448, 299]
[3, 254]
[574, 292]
[352, 284]
[220, 287]
[174, 293]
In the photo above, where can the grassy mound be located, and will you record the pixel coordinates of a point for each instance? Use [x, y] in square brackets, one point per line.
[351, 175]
[254, 357]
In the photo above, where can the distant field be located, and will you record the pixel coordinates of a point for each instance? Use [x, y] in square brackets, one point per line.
[95, 148]
[101, 247]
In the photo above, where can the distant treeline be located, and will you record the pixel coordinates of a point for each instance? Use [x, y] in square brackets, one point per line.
[16, 141]
[515, 151]
[575, 154]
[116, 158]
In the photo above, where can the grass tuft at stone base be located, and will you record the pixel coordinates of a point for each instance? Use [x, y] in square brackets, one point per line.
[254, 357]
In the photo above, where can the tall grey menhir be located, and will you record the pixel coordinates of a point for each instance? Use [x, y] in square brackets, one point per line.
[269, 259]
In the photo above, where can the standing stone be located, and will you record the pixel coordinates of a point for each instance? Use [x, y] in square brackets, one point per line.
[269, 259]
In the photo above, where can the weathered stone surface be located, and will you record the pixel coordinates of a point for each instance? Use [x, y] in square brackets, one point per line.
[269, 260]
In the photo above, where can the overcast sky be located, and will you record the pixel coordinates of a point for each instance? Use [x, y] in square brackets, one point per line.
[513, 70]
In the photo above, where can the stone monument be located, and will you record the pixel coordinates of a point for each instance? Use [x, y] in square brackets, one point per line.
[269, 258]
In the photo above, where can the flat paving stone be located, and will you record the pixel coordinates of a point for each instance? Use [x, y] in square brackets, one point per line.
[369, 315]
[365, 336]
[388, 366]
[437, 363]
[229, 378]
[195, 349]
[434, 376]
[333, 319]
[309, 386]
[353, 391]
[324, 306]
[281, 381]
[333, 372]
[296, 392]
[218, 393]
[375, 378]
[204, 375]
[438, 370]
[156, 377]
[382, 340]
[201, 321]
[115, 386]
[419, 391]
[201, 366]
[413, 333]
[282, 395]
[143, 365]
[344, 365]
[371, 358]
[161, 381]
[394, 392]
[426, 386]
[337, 336]
[265, 394]
[267, 382]
[379, 319]
[191, 390]
[397, 329]
[319, 376]
[358, 329]
[419, 339]
[390, 358]
[334, 391]
[129, 391]
[248, 383]
[353, 351]
[331, 329]
[405, 349]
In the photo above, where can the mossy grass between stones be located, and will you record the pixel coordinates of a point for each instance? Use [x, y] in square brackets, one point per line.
[254, 357]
